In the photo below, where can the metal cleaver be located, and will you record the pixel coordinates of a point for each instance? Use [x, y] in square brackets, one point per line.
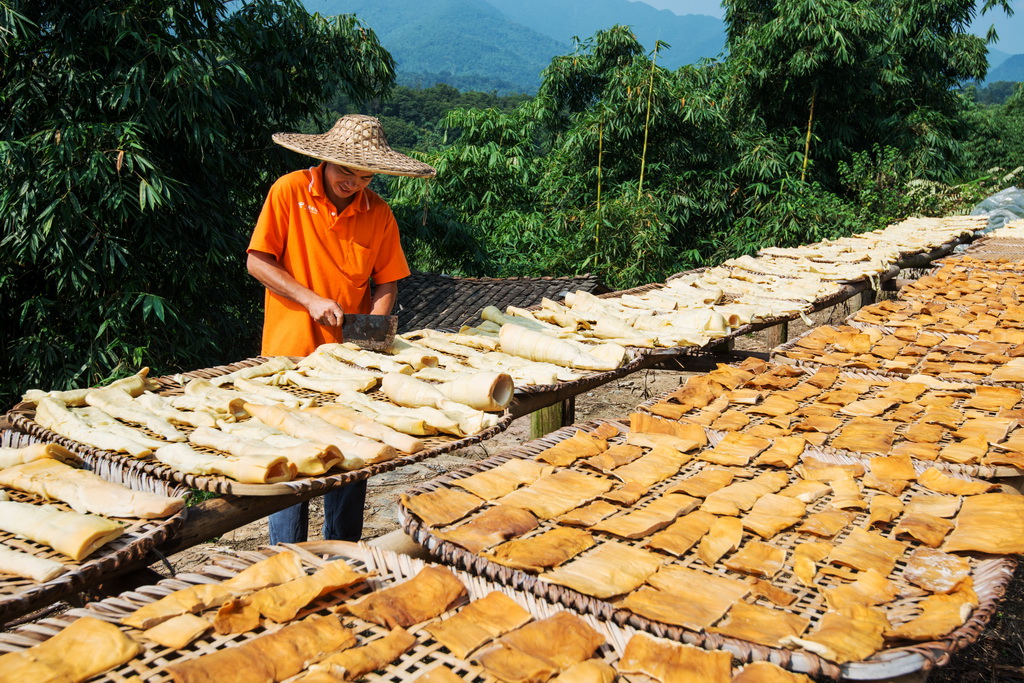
[371, 332]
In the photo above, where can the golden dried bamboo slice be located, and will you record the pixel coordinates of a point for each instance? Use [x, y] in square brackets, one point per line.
[848, 636]
[735, 449]
[940, 614]
[762, 625]
[641, 522]
[704, 483]
[503, 479]
[989, 523]
[725, 535]
[478, 622]
[893, 467]
[492, 526]
[869, 589]
[968, 451]
[936, 571]
[685, 597]
[543, 551]
[865, 550]
[883, 509]
[934, 480]
[682, 534]
[784, 452]
[610, 569]
[588, 515]
[772, 514]
[757, 559]
[669, 662]
[867, 435]
[826, 523]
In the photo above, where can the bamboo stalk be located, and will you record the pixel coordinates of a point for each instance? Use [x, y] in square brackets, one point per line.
[426, 201]
[647, 124]
[807, 142]
[600, 157]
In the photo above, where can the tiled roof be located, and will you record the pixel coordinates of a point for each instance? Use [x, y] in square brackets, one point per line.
[427, 300]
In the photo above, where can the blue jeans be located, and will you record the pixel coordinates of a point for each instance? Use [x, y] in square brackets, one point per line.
[343, 517]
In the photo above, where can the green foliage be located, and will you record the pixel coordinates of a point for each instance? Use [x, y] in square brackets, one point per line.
[885, 189]
[623, 169]
[527, 179]
[996, 139]
[134, 154]
[413, 117]
[855, 74]
[993, 93]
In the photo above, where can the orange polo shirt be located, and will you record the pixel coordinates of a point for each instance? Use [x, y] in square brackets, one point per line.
[334, 255]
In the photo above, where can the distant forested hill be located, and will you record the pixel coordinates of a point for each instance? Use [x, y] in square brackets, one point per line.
[503, 45]
[468, 44]
[1012, 69]
[692, 37]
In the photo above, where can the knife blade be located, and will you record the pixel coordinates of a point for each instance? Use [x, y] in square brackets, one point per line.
[371, 332]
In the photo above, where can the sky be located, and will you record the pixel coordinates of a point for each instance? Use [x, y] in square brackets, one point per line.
[1011, 30]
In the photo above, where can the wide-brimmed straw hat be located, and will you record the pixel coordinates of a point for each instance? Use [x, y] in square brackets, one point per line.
[356, 141]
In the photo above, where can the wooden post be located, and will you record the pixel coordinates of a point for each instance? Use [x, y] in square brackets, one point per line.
[568, 411]
[867, 297]
[777, 335]
[721, 348]
[546, 420]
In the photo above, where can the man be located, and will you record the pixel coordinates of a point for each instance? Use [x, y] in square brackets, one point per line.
[320, 240]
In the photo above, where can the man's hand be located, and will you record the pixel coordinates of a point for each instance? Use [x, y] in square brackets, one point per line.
[266, 268]
[326, 312]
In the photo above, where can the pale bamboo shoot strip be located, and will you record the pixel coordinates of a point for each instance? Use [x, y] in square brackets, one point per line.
[250, 470]
[134, 385]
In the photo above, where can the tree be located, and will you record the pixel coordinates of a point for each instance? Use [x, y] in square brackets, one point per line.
[844, 75]
[134, 154]
[996, 141]
[596, 173]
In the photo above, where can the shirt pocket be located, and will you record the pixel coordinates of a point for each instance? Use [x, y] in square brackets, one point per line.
[357, 262]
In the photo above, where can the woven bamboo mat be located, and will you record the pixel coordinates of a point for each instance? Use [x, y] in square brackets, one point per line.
[867, 385]
[872, 279]
[990, 254]
[589, 380]
[955, 283]
[958, 266]
[922, 258]
[22, 417]
[735, 294]
[388, 569]
[948, 318]
[842, 293]
[1009, 257]
[990, 574]
[19, 596]
[907, 256]
[945, 360]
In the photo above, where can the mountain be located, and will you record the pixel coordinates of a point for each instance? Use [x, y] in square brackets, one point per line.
[996, 57]
[468, 44]
[503, 46]
[1011, 69]
[692, 36]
